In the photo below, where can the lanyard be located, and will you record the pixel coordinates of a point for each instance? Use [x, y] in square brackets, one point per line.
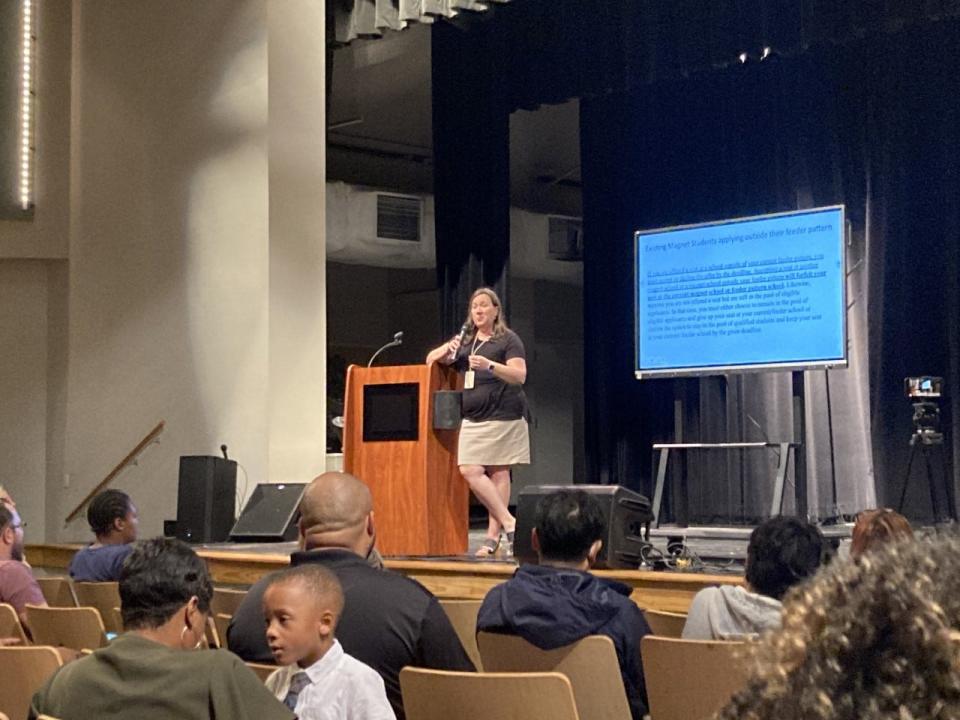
[477, 347]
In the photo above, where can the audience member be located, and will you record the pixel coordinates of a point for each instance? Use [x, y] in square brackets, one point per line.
[782, 552]
[878, 527]
[6, 499]
[388, 621]
[150, 671]
[871, 638]
[319, 681]
[113, 520]
[559, 601]
[17, 584]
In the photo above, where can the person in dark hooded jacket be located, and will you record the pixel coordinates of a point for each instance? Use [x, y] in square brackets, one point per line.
[558, 601]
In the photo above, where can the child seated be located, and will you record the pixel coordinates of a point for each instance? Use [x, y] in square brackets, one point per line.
[301, 607]
[113, 520]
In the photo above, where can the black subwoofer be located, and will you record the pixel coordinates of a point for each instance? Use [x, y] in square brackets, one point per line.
[206, 498]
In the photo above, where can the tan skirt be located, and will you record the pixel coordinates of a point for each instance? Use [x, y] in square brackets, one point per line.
[494, 442]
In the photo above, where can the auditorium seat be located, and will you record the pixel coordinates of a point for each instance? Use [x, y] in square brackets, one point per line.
[23, 670]
[57, 591]
[221, 622]
[665, 624]
[262, 670]
[463, 617]
[104, 596]
[226, 601]
[590, 664]
[441, 695]
[10, 626]
[76, 628]
[716, 670]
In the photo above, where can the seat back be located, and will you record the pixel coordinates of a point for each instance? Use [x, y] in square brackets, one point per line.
[57, 591]
[75, 628]
[262, 670]
[590, 664]
[104, 596]
[719, 668]
[441, 695]
[23, 670]
[10, 626]
[226, 601]
[222, 622]
[665, 624]
[463, 617]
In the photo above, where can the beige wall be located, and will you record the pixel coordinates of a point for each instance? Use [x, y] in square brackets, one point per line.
[23, 383]
[185, 299]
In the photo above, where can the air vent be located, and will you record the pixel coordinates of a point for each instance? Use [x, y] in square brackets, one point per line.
[398, 217]
[565, 239]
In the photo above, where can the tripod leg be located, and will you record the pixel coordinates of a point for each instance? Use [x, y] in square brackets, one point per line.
[933, 488]
[948, 486]
[906, 477]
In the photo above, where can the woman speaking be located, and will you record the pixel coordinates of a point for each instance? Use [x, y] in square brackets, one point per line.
[494, 433]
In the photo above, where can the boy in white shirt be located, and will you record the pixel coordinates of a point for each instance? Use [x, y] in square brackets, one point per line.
[320, 681]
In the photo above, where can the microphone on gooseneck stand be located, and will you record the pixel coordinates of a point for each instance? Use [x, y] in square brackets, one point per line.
[223, 449]
[465, 328]
[397, 340]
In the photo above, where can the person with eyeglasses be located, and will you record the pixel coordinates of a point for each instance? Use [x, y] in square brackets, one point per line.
[155, 670]
[17, 584]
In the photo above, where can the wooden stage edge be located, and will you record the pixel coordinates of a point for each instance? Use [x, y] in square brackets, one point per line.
[448, 580]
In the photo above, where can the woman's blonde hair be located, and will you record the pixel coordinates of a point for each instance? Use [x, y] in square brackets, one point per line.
[871, 637]
[499, 325]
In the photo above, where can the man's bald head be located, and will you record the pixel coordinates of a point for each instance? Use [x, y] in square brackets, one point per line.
[336, 511]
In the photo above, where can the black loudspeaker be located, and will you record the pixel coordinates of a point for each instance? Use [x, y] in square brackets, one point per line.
[270, 514]
[447, 410]
[626, 515]
[206, 498]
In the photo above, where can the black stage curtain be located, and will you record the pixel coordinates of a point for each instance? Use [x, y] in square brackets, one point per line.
[857, 106]
[471, 146]
[872, 124]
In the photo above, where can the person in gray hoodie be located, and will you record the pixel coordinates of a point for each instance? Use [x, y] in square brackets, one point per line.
[782, 552]
[558, 601]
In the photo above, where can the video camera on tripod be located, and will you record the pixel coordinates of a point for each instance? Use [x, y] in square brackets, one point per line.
[926, 439]
[926, 412]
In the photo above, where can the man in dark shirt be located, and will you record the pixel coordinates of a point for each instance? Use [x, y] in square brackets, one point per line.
[388, 621]
[559, 602]
[114, 520]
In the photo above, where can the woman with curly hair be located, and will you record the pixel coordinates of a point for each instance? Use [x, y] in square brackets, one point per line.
[873, 637]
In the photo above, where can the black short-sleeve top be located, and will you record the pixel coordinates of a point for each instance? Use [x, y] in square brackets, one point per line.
[491, 398]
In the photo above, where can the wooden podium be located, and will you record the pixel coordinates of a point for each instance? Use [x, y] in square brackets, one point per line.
[420, 501]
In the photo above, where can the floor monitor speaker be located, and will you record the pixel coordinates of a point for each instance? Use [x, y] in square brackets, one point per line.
[626, 515]
[270, 514]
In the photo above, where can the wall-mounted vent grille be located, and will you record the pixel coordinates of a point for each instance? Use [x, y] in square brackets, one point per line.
[398, 217]
[565, 240]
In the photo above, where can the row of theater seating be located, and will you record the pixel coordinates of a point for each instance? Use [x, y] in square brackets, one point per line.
[585, 673]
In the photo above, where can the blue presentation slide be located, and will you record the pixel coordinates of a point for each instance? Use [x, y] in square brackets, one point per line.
[745, 294]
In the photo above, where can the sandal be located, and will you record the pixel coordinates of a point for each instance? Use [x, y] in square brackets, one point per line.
[488, 548]
[509, 547]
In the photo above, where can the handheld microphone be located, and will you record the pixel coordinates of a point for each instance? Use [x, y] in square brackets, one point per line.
[465, 328]
[223, 449]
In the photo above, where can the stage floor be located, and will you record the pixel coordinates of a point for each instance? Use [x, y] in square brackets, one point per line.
[449, 578]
